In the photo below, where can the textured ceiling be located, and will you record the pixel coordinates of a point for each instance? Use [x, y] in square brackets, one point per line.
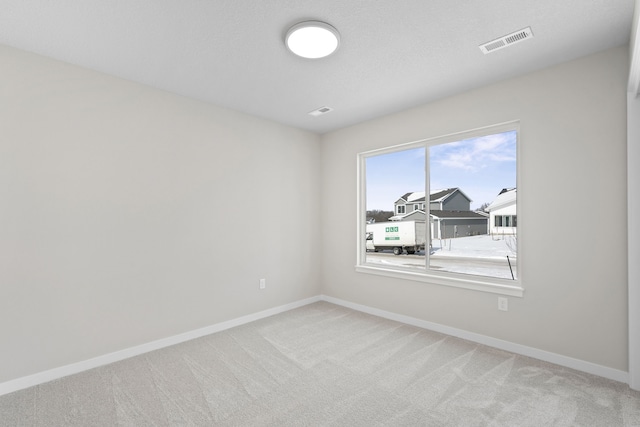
[393, 54]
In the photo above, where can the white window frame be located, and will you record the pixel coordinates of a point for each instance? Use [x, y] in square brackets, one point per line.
[465, 281]
[403, 207]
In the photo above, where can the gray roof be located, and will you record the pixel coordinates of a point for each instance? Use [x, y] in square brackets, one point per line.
[441, 194]
[457, 214]
[433, 196]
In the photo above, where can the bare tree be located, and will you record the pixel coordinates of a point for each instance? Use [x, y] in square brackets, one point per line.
[378, 215]
[483, 207]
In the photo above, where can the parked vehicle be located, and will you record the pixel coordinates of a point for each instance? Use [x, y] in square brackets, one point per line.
[398, 236]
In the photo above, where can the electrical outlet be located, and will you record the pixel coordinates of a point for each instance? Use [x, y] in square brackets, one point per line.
[263, 283]
[503, 304]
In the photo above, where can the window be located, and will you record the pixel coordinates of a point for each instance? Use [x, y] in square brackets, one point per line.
[453, 242]
[505, 221]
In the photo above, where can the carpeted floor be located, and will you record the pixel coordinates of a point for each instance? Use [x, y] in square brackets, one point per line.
[325, 365]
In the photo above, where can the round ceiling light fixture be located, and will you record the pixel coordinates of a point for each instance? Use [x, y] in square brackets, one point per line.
[312, 39]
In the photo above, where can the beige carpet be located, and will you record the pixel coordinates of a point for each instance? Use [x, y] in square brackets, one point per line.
[325, 365]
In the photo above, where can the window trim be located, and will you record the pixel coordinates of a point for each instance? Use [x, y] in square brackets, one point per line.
[457, 280]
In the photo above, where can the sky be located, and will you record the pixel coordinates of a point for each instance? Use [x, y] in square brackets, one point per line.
[481, 167]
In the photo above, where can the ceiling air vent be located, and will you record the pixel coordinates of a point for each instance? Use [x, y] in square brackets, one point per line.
[320, 111]
[506, 41]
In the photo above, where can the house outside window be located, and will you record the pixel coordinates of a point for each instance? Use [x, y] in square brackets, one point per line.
[502, 211]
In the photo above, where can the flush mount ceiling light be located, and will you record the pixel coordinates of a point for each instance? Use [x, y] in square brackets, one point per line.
[312, 39]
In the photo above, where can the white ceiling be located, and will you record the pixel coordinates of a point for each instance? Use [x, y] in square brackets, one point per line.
[394, 54]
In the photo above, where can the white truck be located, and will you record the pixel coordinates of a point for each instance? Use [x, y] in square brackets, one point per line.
[397, 236]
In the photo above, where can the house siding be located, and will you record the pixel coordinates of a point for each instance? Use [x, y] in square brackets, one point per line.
[453, 227]
[455, 202]
[507, 210]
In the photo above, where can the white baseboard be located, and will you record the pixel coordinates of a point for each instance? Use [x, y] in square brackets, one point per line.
[558, 359]
[74, 368]
[85, 365]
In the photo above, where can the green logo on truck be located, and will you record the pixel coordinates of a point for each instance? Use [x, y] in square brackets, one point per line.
[391, 230]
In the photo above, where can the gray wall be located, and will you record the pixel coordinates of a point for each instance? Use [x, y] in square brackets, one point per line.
[412, 207]
[115, 222]
[457, 202]
[115, 230]
[633, 191]
[573, 122]
[465, 227]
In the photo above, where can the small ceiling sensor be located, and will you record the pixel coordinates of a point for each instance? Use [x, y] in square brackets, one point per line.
[312, 39]
[320, 111]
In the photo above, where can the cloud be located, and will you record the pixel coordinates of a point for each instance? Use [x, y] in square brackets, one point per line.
[475, 154]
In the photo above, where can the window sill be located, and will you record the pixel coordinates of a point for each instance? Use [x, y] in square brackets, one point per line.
[496, 287]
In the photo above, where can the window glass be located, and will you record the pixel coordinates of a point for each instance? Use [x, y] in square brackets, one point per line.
[466, 187]
[394, 234]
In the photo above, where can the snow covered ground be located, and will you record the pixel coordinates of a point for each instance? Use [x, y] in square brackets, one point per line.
[477, 255]
[484, 246]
